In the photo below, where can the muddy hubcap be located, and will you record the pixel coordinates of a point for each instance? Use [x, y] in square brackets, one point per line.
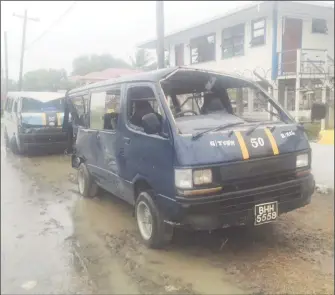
[144, 220]
[81, 181]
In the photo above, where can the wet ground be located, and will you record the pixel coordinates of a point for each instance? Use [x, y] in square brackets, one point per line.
[55, 242]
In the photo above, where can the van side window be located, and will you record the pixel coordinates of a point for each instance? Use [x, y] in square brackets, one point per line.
[112, 108]
[105, 109]
[80, 103]
[141, 101]
[9, 104]
[97, 110]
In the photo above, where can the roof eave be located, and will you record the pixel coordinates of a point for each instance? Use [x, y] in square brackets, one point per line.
[151, 44]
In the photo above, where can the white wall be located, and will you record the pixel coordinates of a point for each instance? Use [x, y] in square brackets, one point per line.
[257, 57]
[318, 41]
[306, 13]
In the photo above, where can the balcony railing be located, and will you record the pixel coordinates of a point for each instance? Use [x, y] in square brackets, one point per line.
[305, 62]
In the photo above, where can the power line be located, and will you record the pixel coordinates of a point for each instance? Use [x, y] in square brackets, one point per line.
[52, 25]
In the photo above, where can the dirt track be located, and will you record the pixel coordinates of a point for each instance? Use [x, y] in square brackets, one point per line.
[92, 246]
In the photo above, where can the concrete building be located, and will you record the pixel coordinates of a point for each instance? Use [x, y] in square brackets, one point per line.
[289, 44]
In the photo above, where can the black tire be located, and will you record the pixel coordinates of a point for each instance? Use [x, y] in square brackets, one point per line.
[13, 146]
[88, 188]
[161, 233]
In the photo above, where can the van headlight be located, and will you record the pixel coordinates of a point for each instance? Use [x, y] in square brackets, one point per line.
[185, 178]
[302, 161]
[202, 176]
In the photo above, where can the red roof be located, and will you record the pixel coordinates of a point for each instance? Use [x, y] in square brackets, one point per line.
[109, 74]
[105, 74]
[114, 73]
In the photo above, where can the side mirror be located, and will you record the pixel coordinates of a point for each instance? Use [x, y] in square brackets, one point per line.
[151, 124]
[318, 111]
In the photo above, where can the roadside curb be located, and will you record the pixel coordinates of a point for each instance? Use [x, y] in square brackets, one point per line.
[326, 137]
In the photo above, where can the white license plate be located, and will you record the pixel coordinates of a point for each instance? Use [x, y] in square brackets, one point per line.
[265, 213]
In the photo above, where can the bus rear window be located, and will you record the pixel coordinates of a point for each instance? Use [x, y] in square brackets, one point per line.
[30, 105]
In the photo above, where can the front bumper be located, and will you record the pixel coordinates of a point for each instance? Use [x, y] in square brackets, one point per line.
[230, 209]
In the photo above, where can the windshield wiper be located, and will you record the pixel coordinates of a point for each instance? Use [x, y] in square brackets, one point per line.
[253, 128]
[221, 127]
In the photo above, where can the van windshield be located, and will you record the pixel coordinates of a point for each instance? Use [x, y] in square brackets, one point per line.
[201, 100]
[30, 105]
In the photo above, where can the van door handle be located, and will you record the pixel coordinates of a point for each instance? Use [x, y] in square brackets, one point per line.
[126, 140]
[98, 136]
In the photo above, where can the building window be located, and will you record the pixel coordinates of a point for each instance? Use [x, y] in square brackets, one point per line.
[258, 32]
[319, 26]
[203, 49]
[233, 41]
[167, 58]
[179, 54]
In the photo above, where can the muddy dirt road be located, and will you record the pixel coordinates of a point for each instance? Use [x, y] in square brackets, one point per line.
[54, 241]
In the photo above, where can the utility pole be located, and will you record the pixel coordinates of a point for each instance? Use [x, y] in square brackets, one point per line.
[6, 64]
[160, 34]
[25, 19]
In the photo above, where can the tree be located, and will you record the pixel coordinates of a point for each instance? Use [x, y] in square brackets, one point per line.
[143, 60]
[46, 80]
[83, 65]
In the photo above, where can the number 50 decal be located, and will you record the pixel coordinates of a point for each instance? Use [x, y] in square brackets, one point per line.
[256, 142]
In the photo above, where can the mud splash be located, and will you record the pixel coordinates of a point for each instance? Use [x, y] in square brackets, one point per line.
[55, 241]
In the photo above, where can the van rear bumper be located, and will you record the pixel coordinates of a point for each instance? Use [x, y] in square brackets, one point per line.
[53, 141]
[225, 211]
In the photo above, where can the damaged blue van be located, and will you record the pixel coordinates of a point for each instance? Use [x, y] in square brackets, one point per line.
[172, 144]
[34, 120]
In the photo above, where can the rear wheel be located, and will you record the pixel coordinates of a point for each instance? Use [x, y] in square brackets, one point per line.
[86, 185]
[154, 231]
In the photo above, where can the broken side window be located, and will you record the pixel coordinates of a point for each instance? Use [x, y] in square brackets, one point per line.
[81, 104]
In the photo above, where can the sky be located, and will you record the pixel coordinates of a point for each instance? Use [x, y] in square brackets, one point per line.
[93, 27]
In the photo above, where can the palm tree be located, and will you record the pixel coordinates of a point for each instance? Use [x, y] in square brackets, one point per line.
[143, 60]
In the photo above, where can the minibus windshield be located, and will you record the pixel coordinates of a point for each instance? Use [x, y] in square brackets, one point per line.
[202, 95]
[30, 105]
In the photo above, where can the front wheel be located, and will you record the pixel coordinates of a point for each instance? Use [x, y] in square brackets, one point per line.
[86, 185]
[154, 231]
